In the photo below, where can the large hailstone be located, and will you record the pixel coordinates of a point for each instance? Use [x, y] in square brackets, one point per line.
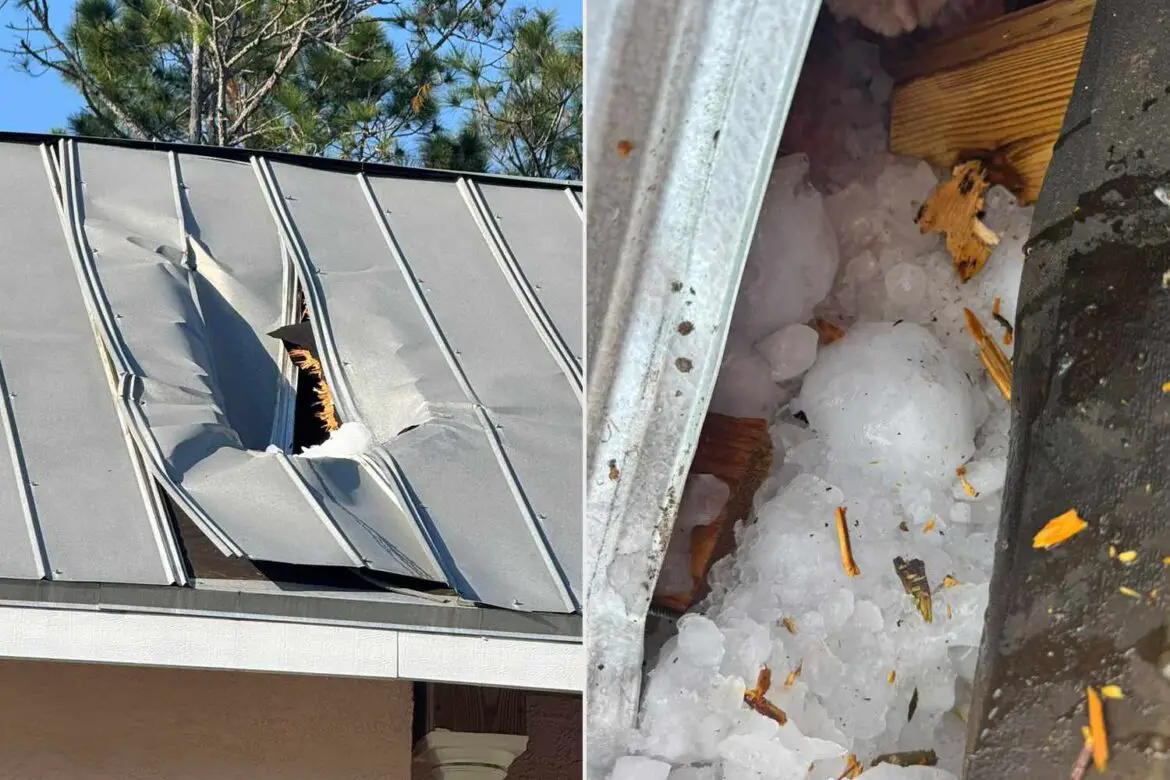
[888, 397]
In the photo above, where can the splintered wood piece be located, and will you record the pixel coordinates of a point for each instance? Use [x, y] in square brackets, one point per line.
[1059, 529]
[999, 88]
[756, 698]
[1097, 730]
[990, 355]
[739, 452]
[847, 562]
[912, 573]
[827, 331]
[953, 209]
[907, 758]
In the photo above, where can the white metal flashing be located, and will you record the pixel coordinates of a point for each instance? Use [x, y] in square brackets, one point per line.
[685, 149]
[203, 642]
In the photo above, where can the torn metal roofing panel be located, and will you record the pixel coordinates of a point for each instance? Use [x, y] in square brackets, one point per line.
[447, 343]
[487, 414]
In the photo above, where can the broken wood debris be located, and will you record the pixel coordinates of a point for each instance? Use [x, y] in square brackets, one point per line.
[1097, 730]
[953, 209]
[847, 562]
[968, 488]
[827, 331]
[907, 758]
[738, 451]
[913, 708]
[326, 412]
[1059, 529]
[793, 676]
[756, 698]
[990, 355]
[853, 768]
[912, 573]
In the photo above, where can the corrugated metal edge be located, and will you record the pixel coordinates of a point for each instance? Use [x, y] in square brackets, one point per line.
[668, 236]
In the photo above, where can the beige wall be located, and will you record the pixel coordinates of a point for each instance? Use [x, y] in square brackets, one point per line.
[554, 741]
[83, 722]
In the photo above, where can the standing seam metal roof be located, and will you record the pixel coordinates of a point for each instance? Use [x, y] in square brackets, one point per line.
[448, 317]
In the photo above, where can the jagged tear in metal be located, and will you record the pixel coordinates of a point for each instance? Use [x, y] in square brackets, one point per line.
[141, 289]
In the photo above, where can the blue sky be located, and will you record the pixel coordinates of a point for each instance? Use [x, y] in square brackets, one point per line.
[39, 104]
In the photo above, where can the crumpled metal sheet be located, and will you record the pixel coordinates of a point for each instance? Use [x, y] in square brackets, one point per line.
[187, 262]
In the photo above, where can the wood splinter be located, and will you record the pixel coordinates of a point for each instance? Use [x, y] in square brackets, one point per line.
[847, 562]
[756, 698]
[990, 355]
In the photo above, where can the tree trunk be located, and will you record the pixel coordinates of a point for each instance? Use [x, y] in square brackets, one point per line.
[195, 122]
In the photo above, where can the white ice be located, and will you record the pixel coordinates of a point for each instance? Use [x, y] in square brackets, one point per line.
[350, 440]
[878, 426]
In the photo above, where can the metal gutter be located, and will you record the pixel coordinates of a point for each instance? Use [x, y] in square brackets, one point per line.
[686, 105]
[310, 606]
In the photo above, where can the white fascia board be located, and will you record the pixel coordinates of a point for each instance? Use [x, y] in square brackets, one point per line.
[241, 644]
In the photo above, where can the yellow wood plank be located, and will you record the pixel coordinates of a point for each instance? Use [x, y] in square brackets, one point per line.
[1011, 99]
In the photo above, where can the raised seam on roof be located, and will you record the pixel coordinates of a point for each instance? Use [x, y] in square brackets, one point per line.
[521, 287]
[506, 470]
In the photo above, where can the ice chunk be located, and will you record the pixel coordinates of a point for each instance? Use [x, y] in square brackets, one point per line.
[351, 440]
[704, 497]
[905, 285]
[700, 641]
[695, 773]
[889, 394]
[745, 387]
[639, 768]
[790, 351]
[793, 259]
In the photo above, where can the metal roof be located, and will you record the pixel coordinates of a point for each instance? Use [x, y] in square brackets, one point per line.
[141, 282]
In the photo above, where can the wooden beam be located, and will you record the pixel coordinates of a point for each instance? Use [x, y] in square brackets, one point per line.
[739, 452]
[1001, 86]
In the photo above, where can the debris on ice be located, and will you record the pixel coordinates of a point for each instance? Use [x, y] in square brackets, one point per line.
[897, 423]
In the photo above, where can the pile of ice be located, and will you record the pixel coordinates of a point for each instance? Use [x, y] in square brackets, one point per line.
[878, 423]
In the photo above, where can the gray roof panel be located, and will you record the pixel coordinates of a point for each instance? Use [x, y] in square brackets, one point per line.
[535, 227]
[85, 499]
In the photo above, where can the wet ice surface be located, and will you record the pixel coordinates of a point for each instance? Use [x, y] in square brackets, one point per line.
[892, 409]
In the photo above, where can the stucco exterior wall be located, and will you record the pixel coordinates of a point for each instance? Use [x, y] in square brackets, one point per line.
[87, 722]
[554, 739]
